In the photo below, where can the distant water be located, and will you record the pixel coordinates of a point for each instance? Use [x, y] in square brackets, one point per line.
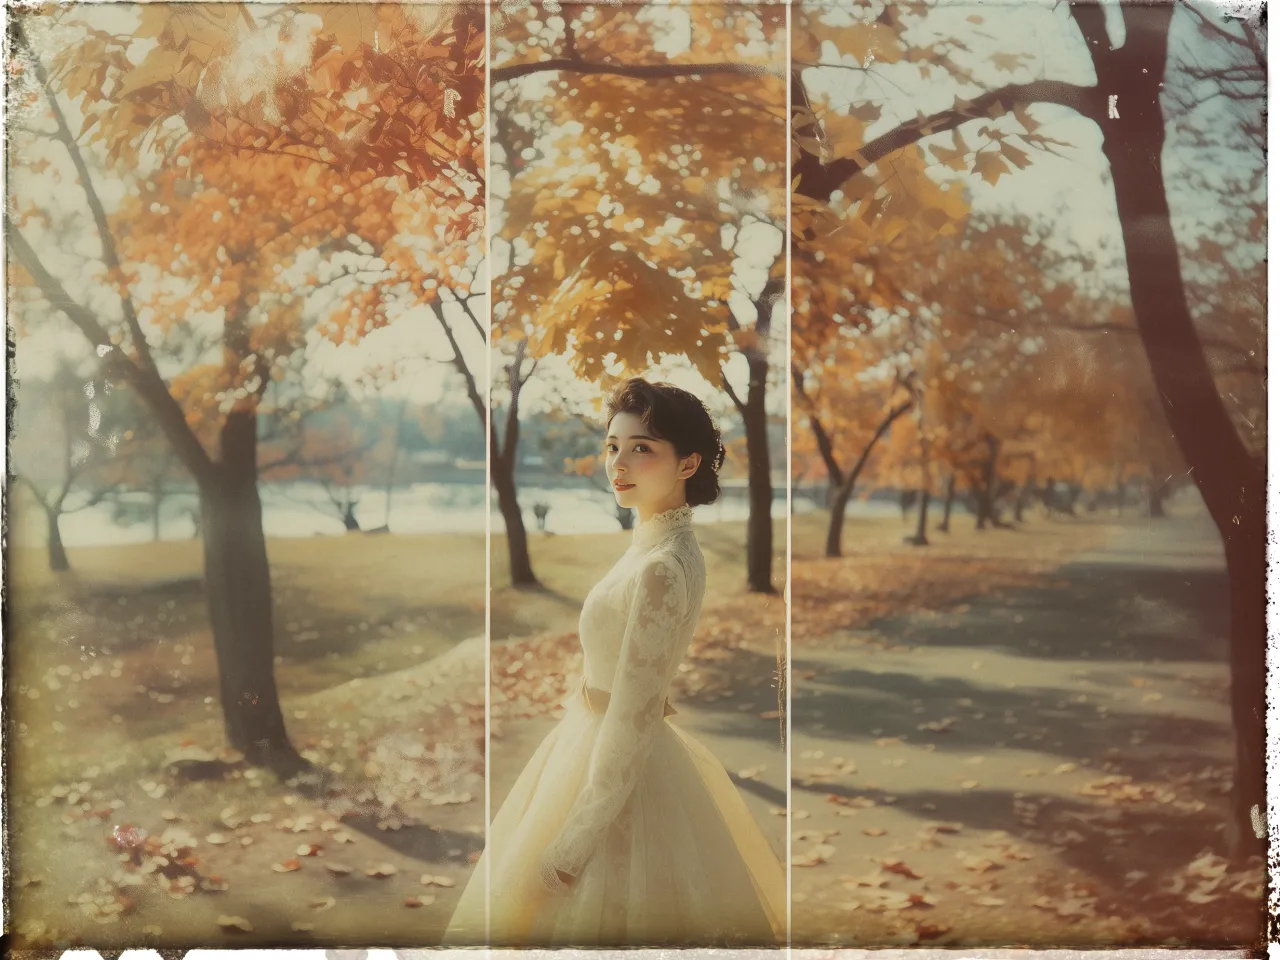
[303, 510]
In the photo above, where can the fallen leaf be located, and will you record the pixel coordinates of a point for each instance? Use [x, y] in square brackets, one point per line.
[301, 927]
[235, 923]
[340, 869]
[217, 839]
[874, 831]
[818, 854]
[433, 881]
[323, 903]
[381, 870]
[288, 866]
[900, 868]
[932, 931]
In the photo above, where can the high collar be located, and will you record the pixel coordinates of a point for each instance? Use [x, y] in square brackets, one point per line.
[660, 525]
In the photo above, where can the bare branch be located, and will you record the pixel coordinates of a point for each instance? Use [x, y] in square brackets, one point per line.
[733, 395]
[109, 254]
[466, 305]
[147, 383]
[459, 363]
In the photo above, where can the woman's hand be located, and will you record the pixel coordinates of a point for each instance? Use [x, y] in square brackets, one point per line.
[555, 881]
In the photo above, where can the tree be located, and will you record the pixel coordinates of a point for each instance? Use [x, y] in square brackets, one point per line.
[260, 165]
[603, 265]
[504, 446]
[63, 449]
[332, 443]
[145, 461]
[1125, 105]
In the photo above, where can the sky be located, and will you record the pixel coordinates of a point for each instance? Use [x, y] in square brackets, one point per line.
[1072, 191]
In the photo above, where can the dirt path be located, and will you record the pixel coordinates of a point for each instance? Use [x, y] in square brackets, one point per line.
[1045, 765]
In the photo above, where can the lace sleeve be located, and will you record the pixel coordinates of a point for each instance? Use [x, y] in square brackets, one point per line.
[650, 646]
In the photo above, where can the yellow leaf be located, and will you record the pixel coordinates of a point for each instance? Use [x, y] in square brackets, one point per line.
[1019, 158]
[990, 166]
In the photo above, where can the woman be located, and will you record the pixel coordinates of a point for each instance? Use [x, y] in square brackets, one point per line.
[623, 829]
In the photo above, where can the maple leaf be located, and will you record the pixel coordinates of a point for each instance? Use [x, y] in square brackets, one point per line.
[1019, 158]
[990, 166]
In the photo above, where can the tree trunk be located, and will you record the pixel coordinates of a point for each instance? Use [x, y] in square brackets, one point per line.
[349, 521]
[157, 497]
[58, 561]
[238, 588]
[990, 486]
[504, 485]
[395, 461]
[1073, 497]
[759, 481]
[1231, 481]
[921, 538]
[841, 485]
[835, 523]
[945, 525]
[1155, 499]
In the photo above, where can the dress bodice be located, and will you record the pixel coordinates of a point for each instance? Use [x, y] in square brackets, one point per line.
[668, 542]
[635, 629]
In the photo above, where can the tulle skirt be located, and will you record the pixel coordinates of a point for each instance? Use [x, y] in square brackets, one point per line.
[685, 864]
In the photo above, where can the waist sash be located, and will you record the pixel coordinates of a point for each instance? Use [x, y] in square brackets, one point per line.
[597, 701]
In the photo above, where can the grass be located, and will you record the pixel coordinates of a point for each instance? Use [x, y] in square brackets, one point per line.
[111, 668]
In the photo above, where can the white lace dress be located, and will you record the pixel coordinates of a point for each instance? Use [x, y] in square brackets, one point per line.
[662, 846]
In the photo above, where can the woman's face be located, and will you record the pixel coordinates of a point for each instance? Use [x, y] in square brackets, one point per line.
[646, 473]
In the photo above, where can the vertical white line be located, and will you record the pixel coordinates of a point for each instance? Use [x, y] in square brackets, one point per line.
[488, 473]
[786, 596]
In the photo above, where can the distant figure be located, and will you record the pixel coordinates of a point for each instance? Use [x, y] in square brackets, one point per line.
[540, 510]
[194, 513]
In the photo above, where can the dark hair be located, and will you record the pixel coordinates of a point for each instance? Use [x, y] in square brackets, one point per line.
[681, 419]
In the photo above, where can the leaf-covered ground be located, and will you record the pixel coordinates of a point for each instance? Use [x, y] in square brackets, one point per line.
[1014, 737]
[1019, 737]
[132, 825]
